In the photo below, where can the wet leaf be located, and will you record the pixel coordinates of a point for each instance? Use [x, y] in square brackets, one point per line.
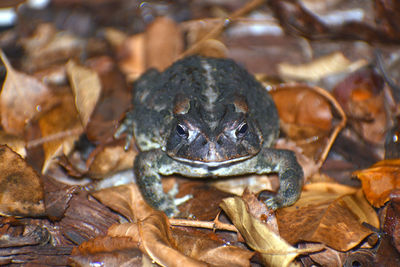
[22, 99]
[331, 214]
[21, 191]
[86, 86]
[380, 180]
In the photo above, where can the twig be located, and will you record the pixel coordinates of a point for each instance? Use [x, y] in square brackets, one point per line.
[53, 137]
[215, 225]
[221, 26]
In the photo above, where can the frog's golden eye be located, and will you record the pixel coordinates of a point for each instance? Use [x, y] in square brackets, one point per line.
[241, 130]
[182, 131]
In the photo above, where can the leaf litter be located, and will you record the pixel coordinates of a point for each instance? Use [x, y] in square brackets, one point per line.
[61, 102]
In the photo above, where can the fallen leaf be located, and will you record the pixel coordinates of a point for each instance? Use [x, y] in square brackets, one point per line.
[47, 46]
[21, 190]
[362, 97]
[126, 200]
[331, 214]
[86, 86]
[319, 68]
[273, 249]
[131, 53]
[380, 180]
[108, 159]
[155, 238]
[209, 248]
[305, 116]
[17, 144]
[391, 219]
[62, 122]
[22, 99]
[164, 42]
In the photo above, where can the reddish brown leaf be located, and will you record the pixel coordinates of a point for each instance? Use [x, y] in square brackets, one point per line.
[331, 214]
[61, 127]
[362, 98]
[380, 180]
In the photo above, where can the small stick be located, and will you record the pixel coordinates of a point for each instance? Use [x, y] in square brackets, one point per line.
[53, 137]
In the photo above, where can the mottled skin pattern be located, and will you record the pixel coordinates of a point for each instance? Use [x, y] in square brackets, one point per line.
[206, 117]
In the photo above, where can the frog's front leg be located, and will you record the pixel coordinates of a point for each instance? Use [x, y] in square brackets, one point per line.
[149, 166]
[290, 175]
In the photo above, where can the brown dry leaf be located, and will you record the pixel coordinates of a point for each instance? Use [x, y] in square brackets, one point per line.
[17, 144]
[158, 47]
[319, 68]
[61, 122]
[47, 46]
[86, 85]
[298, 104]
[272, 248]
[110, 159]
[331, 214]
[305, 116]
[21, 191]
[126, 200]
[210, 248]
[22, 98]
[164, 42]
[155, 238]
[380, 180]
[133, 60]
[362, 97]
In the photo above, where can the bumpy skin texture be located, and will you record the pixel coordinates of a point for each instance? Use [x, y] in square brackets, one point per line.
[206, 117]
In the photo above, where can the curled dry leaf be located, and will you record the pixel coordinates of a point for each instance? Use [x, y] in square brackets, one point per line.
[21, 190]
[331, 214]
[155, 239]
[362, 97]
[22, 98]
[305, 116]
[60, 128]
[273, 249]
[380, 180]
[319, 68]
[126, 200]
[105, 160]
[86, 86]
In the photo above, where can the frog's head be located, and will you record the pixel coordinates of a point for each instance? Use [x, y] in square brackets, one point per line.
[213, 137]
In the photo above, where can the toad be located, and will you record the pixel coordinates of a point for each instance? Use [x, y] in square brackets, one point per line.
[206, 117]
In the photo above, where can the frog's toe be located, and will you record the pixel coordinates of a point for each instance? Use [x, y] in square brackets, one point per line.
[272, 203]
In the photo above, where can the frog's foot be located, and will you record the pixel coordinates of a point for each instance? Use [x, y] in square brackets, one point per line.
[168, 206]
[126, 127]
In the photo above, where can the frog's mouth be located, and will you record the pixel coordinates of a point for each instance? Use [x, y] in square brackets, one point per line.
[211, 163]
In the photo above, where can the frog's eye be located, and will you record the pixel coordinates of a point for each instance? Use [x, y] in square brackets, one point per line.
[241, 130]
[182, 131]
